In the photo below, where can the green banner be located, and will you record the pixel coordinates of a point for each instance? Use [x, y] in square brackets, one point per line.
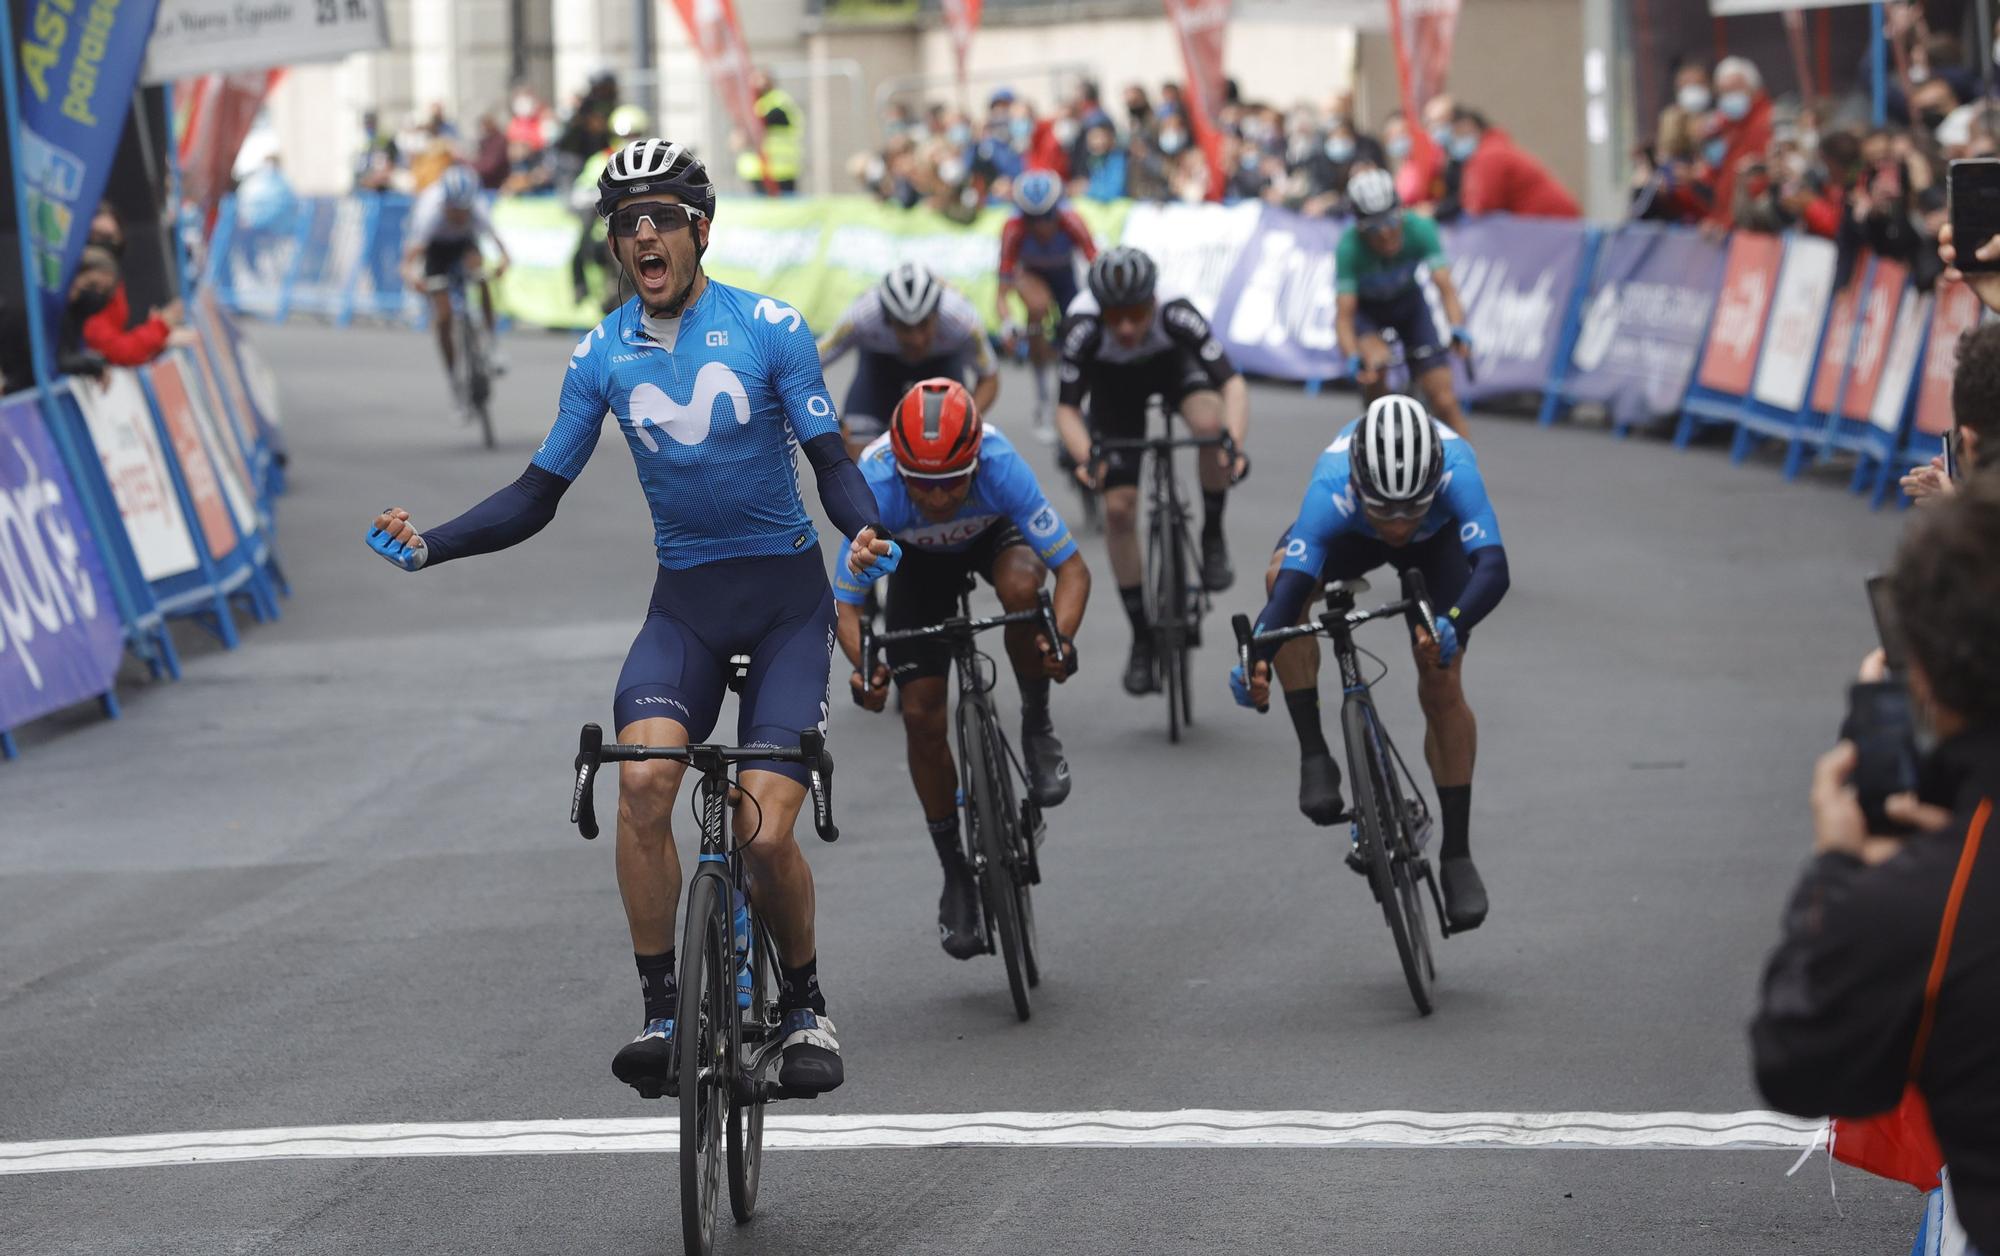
[815, 255]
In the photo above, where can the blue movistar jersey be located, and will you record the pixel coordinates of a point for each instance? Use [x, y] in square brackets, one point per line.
[714, 417]
[1003, 488]
[1331, 509]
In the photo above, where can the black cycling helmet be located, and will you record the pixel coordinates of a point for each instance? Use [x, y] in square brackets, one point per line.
[1122, 276]
[655, 165]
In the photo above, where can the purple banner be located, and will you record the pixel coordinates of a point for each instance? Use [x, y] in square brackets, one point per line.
[60, 635]
[1277, 306]
[1516, 277]
[1644, 321]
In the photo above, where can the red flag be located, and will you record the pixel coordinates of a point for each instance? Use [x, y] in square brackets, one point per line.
[220, 109]
[1426, 28]
[1201, 24]
[961, 17]
[1413, 180]
[718, 36]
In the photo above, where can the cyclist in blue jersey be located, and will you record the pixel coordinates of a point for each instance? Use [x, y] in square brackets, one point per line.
[958, 498]
[715, 389]
[1395, 487]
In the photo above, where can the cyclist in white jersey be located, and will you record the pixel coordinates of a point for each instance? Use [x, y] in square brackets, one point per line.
[447, 224]
[907, 329]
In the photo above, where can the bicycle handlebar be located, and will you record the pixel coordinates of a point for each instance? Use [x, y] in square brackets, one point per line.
[956, 627]
[1414, 607]
[1167, 444]
[592, 751]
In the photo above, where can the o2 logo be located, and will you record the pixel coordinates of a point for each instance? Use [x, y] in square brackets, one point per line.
[1471, 532]
[819, 406]
[1296, 547]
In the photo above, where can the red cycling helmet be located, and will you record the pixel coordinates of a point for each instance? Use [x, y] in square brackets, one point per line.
[936, 431]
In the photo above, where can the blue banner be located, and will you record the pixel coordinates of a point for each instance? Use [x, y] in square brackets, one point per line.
[1644, 321]
[76, 63]
[1517, 278]
[1277, 306]
[60, 635]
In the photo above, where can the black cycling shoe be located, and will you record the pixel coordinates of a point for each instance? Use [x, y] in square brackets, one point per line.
[646, 1063]
[1139, 668]
[809, 1062]
[958, 912]
[1216, 573]
[1048, 770]
[1319, 789]
[1464, 894]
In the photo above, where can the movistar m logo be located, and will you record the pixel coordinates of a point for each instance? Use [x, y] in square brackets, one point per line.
[687, 424]
[771, 312]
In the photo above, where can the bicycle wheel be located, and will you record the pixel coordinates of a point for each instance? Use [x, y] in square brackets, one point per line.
[1190, 619]
[1020, 851]
[1368, 772]
[991, 836]
[1410, 870]
[478, 382]
[746, 1120]
[705, 1034]
[1163, 613]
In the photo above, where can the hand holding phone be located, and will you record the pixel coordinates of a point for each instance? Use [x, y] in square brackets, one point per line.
[1973, 195]
[1883, 731]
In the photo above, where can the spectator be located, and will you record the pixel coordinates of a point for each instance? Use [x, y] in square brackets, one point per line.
[1042, 150]
[771, 169]
[1738, 136]
[1677, 137]
[1173, 137]
[1172, 100]
[1191, 178]
[1101, 174]
[583, 133]
[995, 159]
[109, 331]
[1428, 176]
[91, 291]
[491, 160]
[1975, 416]
[375, 167]
[1498, 177]
[1332, 161]
[528, 120]
[1148, 171]
[1139, 120]
[1850, 1012]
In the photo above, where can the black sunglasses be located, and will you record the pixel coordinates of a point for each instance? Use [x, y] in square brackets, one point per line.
[666, 218]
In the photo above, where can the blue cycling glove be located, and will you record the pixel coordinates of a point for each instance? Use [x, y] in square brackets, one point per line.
[1239, 687]
[1447, 638]
[1462, 336]
[408, 557]
[883, 565]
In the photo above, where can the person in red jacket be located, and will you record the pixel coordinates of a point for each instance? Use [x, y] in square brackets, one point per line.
[1741, 136]
[109, 331]
[1499, 178]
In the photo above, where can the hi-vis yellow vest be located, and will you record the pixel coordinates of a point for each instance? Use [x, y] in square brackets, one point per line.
[781, 143]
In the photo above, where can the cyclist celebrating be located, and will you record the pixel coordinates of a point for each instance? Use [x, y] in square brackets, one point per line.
[1395, 487]
[960, 500]
[1122, 345]
[1038, 251]
[447, 224]
[713, 387]
[1376, 280]
[907, 328]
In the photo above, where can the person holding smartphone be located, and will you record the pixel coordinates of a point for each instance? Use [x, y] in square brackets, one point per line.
[1849, 1013]
[1974, 440]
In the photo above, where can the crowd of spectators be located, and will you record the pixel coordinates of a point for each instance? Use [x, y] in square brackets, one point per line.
[1143, 148]
[1727, 155]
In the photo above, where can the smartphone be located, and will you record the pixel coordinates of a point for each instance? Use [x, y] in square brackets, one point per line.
[1973, 192]
[1882, 600]
[1880, 725]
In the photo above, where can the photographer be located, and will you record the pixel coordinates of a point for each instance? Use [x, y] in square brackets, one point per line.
[1850, 1010]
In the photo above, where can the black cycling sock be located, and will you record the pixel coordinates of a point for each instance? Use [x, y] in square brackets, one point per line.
[1455, 802]
[944, 836]
[656, 978]
[799, 988]
[1034, 702]
[1303, 706]
[1134, 599]
[1211, 512]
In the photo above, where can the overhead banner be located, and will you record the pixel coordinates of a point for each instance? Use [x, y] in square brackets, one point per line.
[1426, 32]
[1653, 296]
[1516, 277]
[75, 67]
[1276, 308]
[60, 635]
[207, 36]
[1200, 26]
[961, 18]
[121, 429]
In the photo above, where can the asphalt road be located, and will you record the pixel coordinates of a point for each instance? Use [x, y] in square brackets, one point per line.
[326, 879]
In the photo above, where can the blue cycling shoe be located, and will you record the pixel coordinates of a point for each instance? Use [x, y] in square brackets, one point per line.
[646, 1063]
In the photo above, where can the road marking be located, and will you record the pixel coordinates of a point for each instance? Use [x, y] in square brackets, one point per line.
[1190, 1128]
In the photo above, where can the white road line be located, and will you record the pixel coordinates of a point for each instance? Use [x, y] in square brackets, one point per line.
[1192, 1127]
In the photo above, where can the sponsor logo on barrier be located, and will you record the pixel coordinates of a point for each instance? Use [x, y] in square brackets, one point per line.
[688, 424]
[1287, 299]
[1508, 317]
[44, 586]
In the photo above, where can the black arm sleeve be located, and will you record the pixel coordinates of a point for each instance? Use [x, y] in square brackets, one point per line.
[509, 517]
[1288, 598]
[842, 490]
[1079, 351]
[1188, 329]
[1484, 587]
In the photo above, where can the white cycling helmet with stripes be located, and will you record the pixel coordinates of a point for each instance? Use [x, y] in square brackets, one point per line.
[655, 165]
[1372, 193]
[1397, 456]
[910, 294]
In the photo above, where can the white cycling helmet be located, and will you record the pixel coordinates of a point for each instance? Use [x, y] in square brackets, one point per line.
[910, 294]
[459, 186]
[1397, 456]
[1372, 192]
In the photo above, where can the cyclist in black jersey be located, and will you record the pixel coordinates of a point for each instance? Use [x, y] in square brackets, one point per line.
[1123, 343]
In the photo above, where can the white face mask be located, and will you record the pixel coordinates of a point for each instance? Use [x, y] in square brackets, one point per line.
[1693, 98]
[524, 106]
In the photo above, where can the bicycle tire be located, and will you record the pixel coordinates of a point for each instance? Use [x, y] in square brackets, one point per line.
[1368, 773]
[478, 381]
[1021, 852]
[987, 829]
[1410, 870]
[746, 1120]
[705, 1034]
[1190, 625]
[1163, 615]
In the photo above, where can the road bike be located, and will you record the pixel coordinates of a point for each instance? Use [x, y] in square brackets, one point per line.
[472, 370]
[1392, 822]
[1003, 828]
[726, 1052]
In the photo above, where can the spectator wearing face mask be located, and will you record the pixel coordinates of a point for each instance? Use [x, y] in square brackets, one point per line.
[1139, 119]
[1500, 178]
[1975, 412]
[1042, 150]
[1101, 174]
[1678, 136]
[1741, 134]
[106, 329]
[1334, 158]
